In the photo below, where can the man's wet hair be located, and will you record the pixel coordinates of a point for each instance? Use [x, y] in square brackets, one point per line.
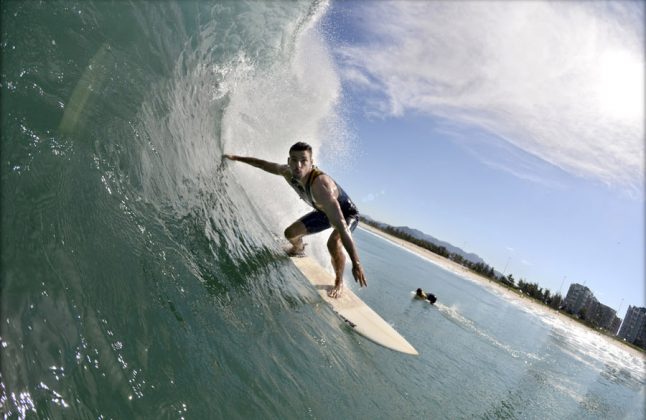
[300, 147]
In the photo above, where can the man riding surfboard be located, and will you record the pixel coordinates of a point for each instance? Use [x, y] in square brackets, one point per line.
[332, 208]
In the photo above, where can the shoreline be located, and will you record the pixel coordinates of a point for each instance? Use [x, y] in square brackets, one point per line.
[499, 289]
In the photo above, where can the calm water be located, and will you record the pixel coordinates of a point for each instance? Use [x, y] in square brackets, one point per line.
[141, 278]
[485, 357]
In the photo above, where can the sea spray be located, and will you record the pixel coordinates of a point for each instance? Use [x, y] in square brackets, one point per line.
[296, 99]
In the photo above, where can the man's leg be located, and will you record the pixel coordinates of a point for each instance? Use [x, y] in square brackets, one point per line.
[335, 246]
[313, 222]
[294, 234]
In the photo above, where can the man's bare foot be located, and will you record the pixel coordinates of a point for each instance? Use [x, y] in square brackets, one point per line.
[296, 251]
[336, 291]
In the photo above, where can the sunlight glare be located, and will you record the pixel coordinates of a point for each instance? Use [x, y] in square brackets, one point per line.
[621, 85]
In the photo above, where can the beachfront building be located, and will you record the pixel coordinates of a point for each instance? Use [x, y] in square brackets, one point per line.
[581, 302]
[602, 316]
[578, 298]
[633, 329]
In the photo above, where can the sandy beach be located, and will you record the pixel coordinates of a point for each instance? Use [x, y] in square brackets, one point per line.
[497, 288]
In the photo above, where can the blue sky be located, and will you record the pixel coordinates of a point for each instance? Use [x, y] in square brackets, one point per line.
[511, 129]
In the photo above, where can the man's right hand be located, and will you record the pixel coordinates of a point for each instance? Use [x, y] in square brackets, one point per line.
[359, 275]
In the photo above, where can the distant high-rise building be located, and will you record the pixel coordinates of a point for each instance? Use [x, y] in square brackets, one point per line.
[633, 328]
[602, 316]
[578, 297]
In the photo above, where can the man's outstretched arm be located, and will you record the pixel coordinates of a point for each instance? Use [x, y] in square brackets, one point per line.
[271, 167]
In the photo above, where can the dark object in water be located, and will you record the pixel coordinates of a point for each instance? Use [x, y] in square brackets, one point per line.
[431, 298]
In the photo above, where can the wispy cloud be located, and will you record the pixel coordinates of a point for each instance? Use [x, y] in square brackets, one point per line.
[507, 158]
[563, 81]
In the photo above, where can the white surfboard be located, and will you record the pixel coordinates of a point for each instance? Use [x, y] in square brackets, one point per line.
[353, 310]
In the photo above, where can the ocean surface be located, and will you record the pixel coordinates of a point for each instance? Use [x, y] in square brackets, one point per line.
[142, 277]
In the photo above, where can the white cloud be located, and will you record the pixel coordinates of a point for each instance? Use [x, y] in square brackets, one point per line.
[563, 81]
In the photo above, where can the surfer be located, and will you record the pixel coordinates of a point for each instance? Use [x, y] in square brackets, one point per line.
[332, 208]
[420, 294]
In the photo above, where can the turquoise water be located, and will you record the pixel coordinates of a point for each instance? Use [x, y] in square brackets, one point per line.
[142, 278]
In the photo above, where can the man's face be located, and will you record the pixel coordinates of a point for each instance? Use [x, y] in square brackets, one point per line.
[300, 163]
